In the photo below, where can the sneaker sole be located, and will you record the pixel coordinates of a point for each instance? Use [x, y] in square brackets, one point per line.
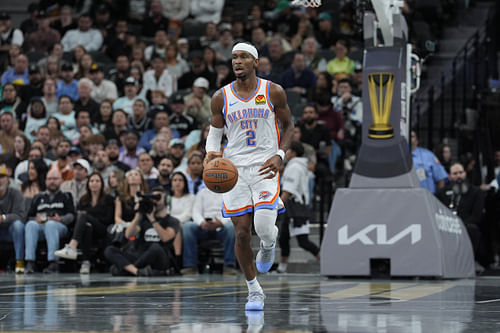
[254, 306]
[65, 256]
[263, 267]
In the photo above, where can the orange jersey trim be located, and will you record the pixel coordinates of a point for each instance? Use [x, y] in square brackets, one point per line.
[231, 211]
[224, 95]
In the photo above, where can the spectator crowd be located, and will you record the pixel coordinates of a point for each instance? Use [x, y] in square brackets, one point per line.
[105, 107]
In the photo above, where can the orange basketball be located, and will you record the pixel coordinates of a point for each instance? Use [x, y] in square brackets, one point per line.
[220, 175]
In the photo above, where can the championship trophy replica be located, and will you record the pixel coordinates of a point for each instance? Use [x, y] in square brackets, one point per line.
[384, 223]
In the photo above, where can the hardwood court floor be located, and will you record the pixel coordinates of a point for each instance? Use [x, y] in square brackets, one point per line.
[215, 303]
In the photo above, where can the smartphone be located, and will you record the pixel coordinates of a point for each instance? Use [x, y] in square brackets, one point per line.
[208, 219]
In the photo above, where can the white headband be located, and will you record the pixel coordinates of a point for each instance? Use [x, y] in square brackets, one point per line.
[247, 48]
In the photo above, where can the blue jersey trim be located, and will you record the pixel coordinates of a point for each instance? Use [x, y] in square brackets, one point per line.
[243, 212]
[251, 95]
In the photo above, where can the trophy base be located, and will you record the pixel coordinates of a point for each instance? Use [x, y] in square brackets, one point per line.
[379, 131]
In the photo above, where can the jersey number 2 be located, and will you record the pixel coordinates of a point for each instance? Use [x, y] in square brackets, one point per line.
[251, 138]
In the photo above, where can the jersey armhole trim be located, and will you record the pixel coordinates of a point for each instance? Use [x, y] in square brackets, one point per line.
[268, 95]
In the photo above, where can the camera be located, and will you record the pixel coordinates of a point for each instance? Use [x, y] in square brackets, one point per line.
[146, 202]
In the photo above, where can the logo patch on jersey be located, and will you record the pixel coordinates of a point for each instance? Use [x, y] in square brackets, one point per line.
[260, 99]
[264, 195]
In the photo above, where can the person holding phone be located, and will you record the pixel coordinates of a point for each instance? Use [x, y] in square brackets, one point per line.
[207, 223]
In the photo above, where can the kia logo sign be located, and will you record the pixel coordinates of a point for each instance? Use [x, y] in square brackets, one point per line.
[380, 237]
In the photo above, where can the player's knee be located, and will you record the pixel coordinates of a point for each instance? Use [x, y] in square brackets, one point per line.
[243, 235]
[264, 221]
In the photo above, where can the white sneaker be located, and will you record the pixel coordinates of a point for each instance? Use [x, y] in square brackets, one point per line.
[67, 252]
[265, 258]
[255, 301]
[85, 268]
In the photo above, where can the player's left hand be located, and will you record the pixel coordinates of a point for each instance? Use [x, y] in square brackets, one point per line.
[270, 167]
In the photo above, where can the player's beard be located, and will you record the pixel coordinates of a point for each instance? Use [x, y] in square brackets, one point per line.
[242, 76]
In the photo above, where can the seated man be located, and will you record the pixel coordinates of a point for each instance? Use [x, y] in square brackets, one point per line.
[154, 234]
[207, 223]
[11, 215]
[50, 215]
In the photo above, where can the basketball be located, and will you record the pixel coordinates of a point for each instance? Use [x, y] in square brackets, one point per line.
[220, 175]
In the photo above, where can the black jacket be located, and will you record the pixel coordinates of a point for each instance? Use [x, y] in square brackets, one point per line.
[469, 205]
[60, 203]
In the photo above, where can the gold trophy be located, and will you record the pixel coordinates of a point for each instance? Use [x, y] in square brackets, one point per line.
[381, 89]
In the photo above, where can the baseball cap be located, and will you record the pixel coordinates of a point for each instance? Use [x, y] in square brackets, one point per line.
[4, 16]
[96, 68]
[177, 98]
[83, 163]
[131, 80]
[75, 150]
[201, 82]
[196, 56]
[112, 142]
[325, 16]
[281, 6]
[176, 142]
[66, 66]
[3, 171]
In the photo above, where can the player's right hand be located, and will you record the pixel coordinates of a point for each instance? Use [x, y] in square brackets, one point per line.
[210, 156]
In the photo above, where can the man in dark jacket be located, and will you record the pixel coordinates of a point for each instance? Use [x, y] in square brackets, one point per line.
[11, 215]
[466, 201]
[50, 215]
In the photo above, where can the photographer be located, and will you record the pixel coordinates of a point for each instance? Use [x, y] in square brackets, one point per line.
[351, 108]
[154, 231]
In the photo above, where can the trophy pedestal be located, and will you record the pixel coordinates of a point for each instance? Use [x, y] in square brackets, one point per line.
[407, 228]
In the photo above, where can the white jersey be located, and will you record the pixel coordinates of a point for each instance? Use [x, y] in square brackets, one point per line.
[251, 125]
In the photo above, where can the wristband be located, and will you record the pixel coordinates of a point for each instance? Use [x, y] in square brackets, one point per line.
[3, 217]
[281, 154]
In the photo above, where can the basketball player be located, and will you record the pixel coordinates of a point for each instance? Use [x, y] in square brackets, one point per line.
[248, 111]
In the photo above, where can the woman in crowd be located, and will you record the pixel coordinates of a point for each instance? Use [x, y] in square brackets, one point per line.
[37, 170]
[323, 86]
[125, 205]
[160, 148]
[181, 206]
[175, 65]
[53, 124]
[95, 213]
[116, 179]
[209, 58]
[78, 53]
[21, 148]
[84, 65]
[194, 172]
[102, 120]
[443, 153]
